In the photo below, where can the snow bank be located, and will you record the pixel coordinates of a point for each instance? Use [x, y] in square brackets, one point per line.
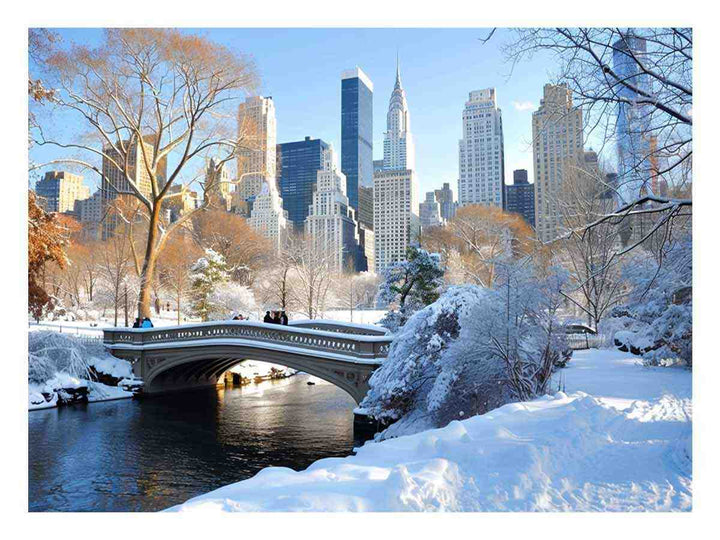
[625, 448]
[63, 368]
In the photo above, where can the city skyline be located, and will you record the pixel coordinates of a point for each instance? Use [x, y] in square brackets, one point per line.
[312, 107]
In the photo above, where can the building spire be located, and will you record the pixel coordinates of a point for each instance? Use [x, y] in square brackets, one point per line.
[398, 84]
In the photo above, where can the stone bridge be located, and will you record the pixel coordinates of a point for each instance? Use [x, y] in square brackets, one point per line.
[193, 355]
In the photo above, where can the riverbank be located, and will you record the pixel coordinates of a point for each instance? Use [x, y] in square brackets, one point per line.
[618, 439]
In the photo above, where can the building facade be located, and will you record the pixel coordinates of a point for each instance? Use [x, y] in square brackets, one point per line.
[397, 222]
[115, 186]
[267, 216]
[557, 143]
[430, 212]
[356, 132]
[300, 162]
[520, 197]
[331, 220]
[59, 191]
[398, 146]
[637, 162]
[258, 127]
[482, 151]
[446, 199]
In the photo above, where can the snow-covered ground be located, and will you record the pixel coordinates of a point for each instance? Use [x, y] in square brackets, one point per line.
[618, 439]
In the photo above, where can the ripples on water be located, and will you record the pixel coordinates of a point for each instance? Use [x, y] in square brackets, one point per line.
[147, 455]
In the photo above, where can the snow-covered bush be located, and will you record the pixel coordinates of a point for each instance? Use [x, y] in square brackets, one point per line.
[472, 350]
[410, 285]
[230, 298]
[51, 352]
[657, 316]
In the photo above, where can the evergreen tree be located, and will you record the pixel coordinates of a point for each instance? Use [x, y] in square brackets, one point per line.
[207, 273]
[411, 285]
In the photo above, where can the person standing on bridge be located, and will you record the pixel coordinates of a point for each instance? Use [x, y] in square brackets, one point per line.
[267, 318]
[276, 317]
[283, 318]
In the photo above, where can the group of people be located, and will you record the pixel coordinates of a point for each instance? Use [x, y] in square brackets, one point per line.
[142, 322]
[276, 317]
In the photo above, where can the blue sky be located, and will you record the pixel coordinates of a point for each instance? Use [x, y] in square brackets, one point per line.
[300, 69]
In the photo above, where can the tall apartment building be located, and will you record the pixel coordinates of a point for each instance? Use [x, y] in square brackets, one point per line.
[115, 185]
[356, 132]
[430, 212]
[482, 151]
[58, 191]
[300, 162]
[257, 124]
[180, 201]
[397, 221]
[219, 176]
[398, 146]
[520, 197]
[267, 216]
[366, 248]
[446, 198]
[331, 220]
[557, 144]
[636, 148]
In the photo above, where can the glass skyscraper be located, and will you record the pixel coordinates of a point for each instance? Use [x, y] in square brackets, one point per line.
[635, 159]
[356, 132]
[298, 165]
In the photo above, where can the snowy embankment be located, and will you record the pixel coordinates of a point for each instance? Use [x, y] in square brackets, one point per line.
[618, 439]
[65, 369]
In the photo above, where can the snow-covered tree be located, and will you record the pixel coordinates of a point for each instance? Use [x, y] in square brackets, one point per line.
[207, 274]
[657, 316]
[472, 350]
[410, 285]
[230, 298]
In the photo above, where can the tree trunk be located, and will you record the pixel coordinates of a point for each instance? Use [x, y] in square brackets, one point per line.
[148, 269]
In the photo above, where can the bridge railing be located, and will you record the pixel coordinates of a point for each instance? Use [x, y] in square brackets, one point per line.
[362, 347]
[341, 327]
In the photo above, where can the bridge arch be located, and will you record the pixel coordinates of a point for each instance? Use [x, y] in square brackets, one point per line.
[188, 356]
[205, 368]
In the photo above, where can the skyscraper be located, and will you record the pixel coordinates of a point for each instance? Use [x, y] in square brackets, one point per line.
[398, 147]
[256, 163]
[557, 144]
[331, 220]
[636, 162]
[300, 162]
[446, 198]
[520, 197]
[267, 216]
[58, 191]
[356, 129]
[430, 212]
[482, 151]
[397, 221]
[115, 186]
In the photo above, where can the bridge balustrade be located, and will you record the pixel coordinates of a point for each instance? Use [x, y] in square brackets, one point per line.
[365, 344]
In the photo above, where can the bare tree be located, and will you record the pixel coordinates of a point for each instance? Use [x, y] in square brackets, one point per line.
[595, 284]
[175, 269]
[231, 236]
[635, 88]
[486, 234]
[311, 274]
[116, 272]
[146, 95]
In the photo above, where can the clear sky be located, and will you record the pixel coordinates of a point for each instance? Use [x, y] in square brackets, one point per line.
[300, 69]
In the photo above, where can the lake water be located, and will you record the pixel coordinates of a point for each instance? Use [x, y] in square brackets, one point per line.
[150, 454]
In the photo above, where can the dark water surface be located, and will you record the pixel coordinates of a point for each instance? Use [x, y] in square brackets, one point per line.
[146, 455]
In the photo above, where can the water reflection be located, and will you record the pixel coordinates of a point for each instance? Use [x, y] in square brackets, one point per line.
[151, 454]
